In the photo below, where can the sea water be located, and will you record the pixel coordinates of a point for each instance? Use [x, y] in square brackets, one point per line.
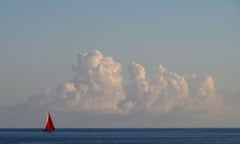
[121, 136]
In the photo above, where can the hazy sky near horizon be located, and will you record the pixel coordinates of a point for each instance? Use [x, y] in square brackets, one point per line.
[41, 40]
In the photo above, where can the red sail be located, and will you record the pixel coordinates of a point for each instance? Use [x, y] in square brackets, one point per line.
[49, 124]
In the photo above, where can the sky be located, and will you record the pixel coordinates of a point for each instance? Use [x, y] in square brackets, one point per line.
[121, 63]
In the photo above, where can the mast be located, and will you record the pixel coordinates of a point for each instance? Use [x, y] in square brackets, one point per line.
[49, 124]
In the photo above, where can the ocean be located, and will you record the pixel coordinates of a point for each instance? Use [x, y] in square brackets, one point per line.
[122, 136]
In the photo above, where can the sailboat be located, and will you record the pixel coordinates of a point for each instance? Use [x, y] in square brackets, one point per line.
[49, 124]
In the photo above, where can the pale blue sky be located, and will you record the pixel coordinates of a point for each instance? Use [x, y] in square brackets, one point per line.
[40, 40]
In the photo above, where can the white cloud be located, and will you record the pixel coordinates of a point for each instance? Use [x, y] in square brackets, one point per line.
[96, 87]
[99, 87]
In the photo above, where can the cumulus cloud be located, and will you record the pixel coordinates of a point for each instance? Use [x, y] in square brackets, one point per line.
[168, 91]
[96, 87]
[99, 87]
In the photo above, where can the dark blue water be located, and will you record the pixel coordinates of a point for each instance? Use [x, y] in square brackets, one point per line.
[120, 136]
